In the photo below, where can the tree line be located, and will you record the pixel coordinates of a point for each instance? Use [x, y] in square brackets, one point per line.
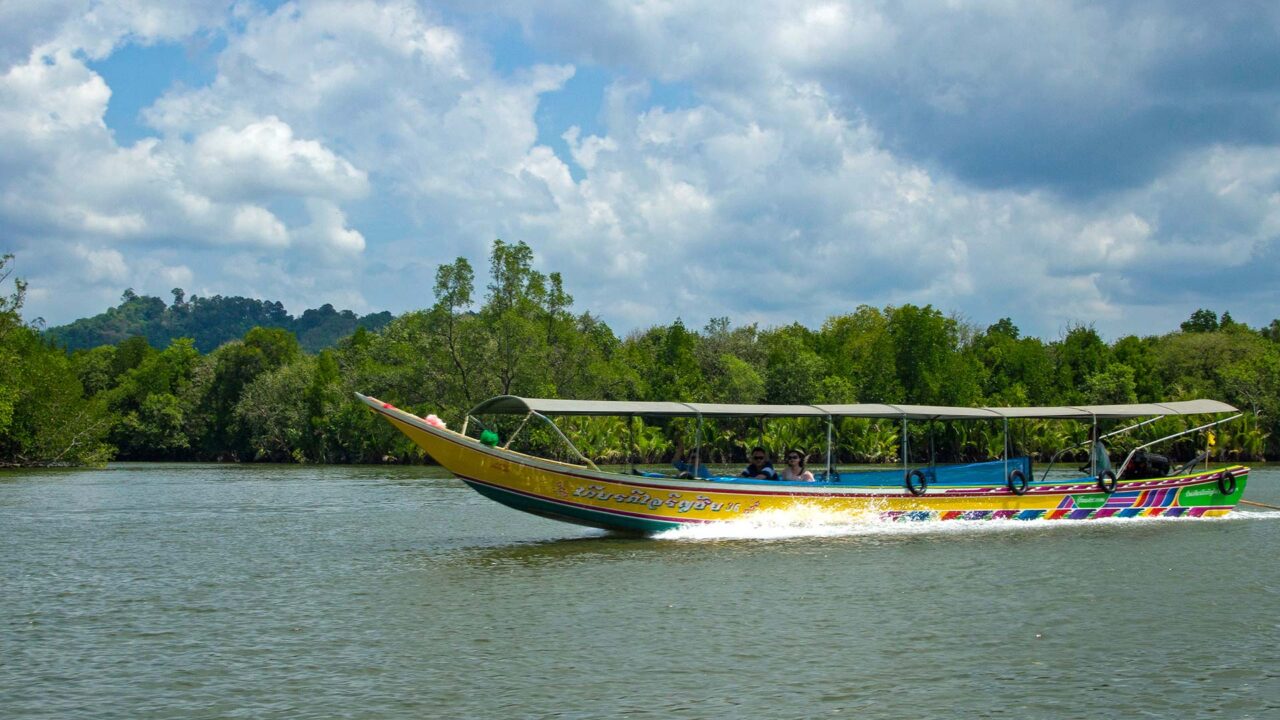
[263, 397]
[208, 322]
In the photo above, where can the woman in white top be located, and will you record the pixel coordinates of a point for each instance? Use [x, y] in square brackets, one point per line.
[795, 468]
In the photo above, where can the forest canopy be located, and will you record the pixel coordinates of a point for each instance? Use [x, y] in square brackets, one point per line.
[208, 322]
[266, 395]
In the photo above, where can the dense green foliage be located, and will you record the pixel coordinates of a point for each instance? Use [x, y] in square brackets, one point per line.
[45, 417]
[264, 396]
[209, 322]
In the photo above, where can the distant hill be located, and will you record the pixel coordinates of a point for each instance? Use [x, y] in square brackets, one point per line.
[210, 321]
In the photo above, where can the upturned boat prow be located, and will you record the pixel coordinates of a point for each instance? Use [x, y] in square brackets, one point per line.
[650, 503]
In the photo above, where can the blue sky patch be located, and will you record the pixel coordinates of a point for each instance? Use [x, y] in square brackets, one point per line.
[139, 74]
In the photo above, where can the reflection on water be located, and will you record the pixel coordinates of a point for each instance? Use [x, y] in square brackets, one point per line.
[222, 590]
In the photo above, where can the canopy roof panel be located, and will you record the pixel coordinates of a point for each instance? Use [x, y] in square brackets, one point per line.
[721, 410]
[1183, 407]
[911, 412]
[512, 405]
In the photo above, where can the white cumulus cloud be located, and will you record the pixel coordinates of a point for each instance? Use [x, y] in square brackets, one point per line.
[1055, 163]
[263, 160]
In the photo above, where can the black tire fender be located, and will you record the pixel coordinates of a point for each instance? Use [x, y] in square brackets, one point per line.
[913, 488]
[1226, 482]
[1107, 482]
[1017, 482]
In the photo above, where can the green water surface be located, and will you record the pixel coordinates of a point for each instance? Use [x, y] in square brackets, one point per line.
[234, 591]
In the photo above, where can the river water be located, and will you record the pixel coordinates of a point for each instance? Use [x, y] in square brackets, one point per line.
[228, 591]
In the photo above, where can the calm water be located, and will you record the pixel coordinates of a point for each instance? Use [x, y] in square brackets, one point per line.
[200, 591]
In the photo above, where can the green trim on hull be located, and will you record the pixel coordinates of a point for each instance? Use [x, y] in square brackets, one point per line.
[579, 516]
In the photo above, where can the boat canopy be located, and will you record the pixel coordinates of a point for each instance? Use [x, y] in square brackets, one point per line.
[513, 405]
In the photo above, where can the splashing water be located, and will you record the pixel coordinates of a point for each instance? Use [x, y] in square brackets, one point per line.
[811, 521]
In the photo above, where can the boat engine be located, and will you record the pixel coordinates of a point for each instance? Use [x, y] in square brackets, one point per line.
[1146, 465]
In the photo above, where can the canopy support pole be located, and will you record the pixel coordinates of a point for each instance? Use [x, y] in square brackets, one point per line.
[1093, 445]
[697, 446]
[478, 422]
[566, 440]
[517, 431]
[1025, 446]
[905, 449]
[933, 458]
[1006, 447]
[631, 442]
[1208, 450]
[829, 468]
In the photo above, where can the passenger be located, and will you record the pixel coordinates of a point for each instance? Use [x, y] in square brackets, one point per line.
[760, 467]
[687, 467]
[795, 468]
[1099, 462]
[1102, 462]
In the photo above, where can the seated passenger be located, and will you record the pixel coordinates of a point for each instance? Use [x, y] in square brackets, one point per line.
[1099, 461]
[795, 468]
[687, 467]
[760, 467]
[1100, 458]
[1098, 455]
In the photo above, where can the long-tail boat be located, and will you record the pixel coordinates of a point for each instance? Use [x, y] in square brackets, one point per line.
[648, 503]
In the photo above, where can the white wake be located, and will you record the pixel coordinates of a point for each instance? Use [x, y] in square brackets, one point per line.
[807, 521]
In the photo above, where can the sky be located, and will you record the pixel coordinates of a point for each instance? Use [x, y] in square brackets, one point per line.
[1114, 164]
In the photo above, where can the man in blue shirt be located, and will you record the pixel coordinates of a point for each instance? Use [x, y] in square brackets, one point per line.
[760, 467]
[688, 465]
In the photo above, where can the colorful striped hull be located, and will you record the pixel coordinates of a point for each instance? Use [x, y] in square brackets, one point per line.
[576, 494]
